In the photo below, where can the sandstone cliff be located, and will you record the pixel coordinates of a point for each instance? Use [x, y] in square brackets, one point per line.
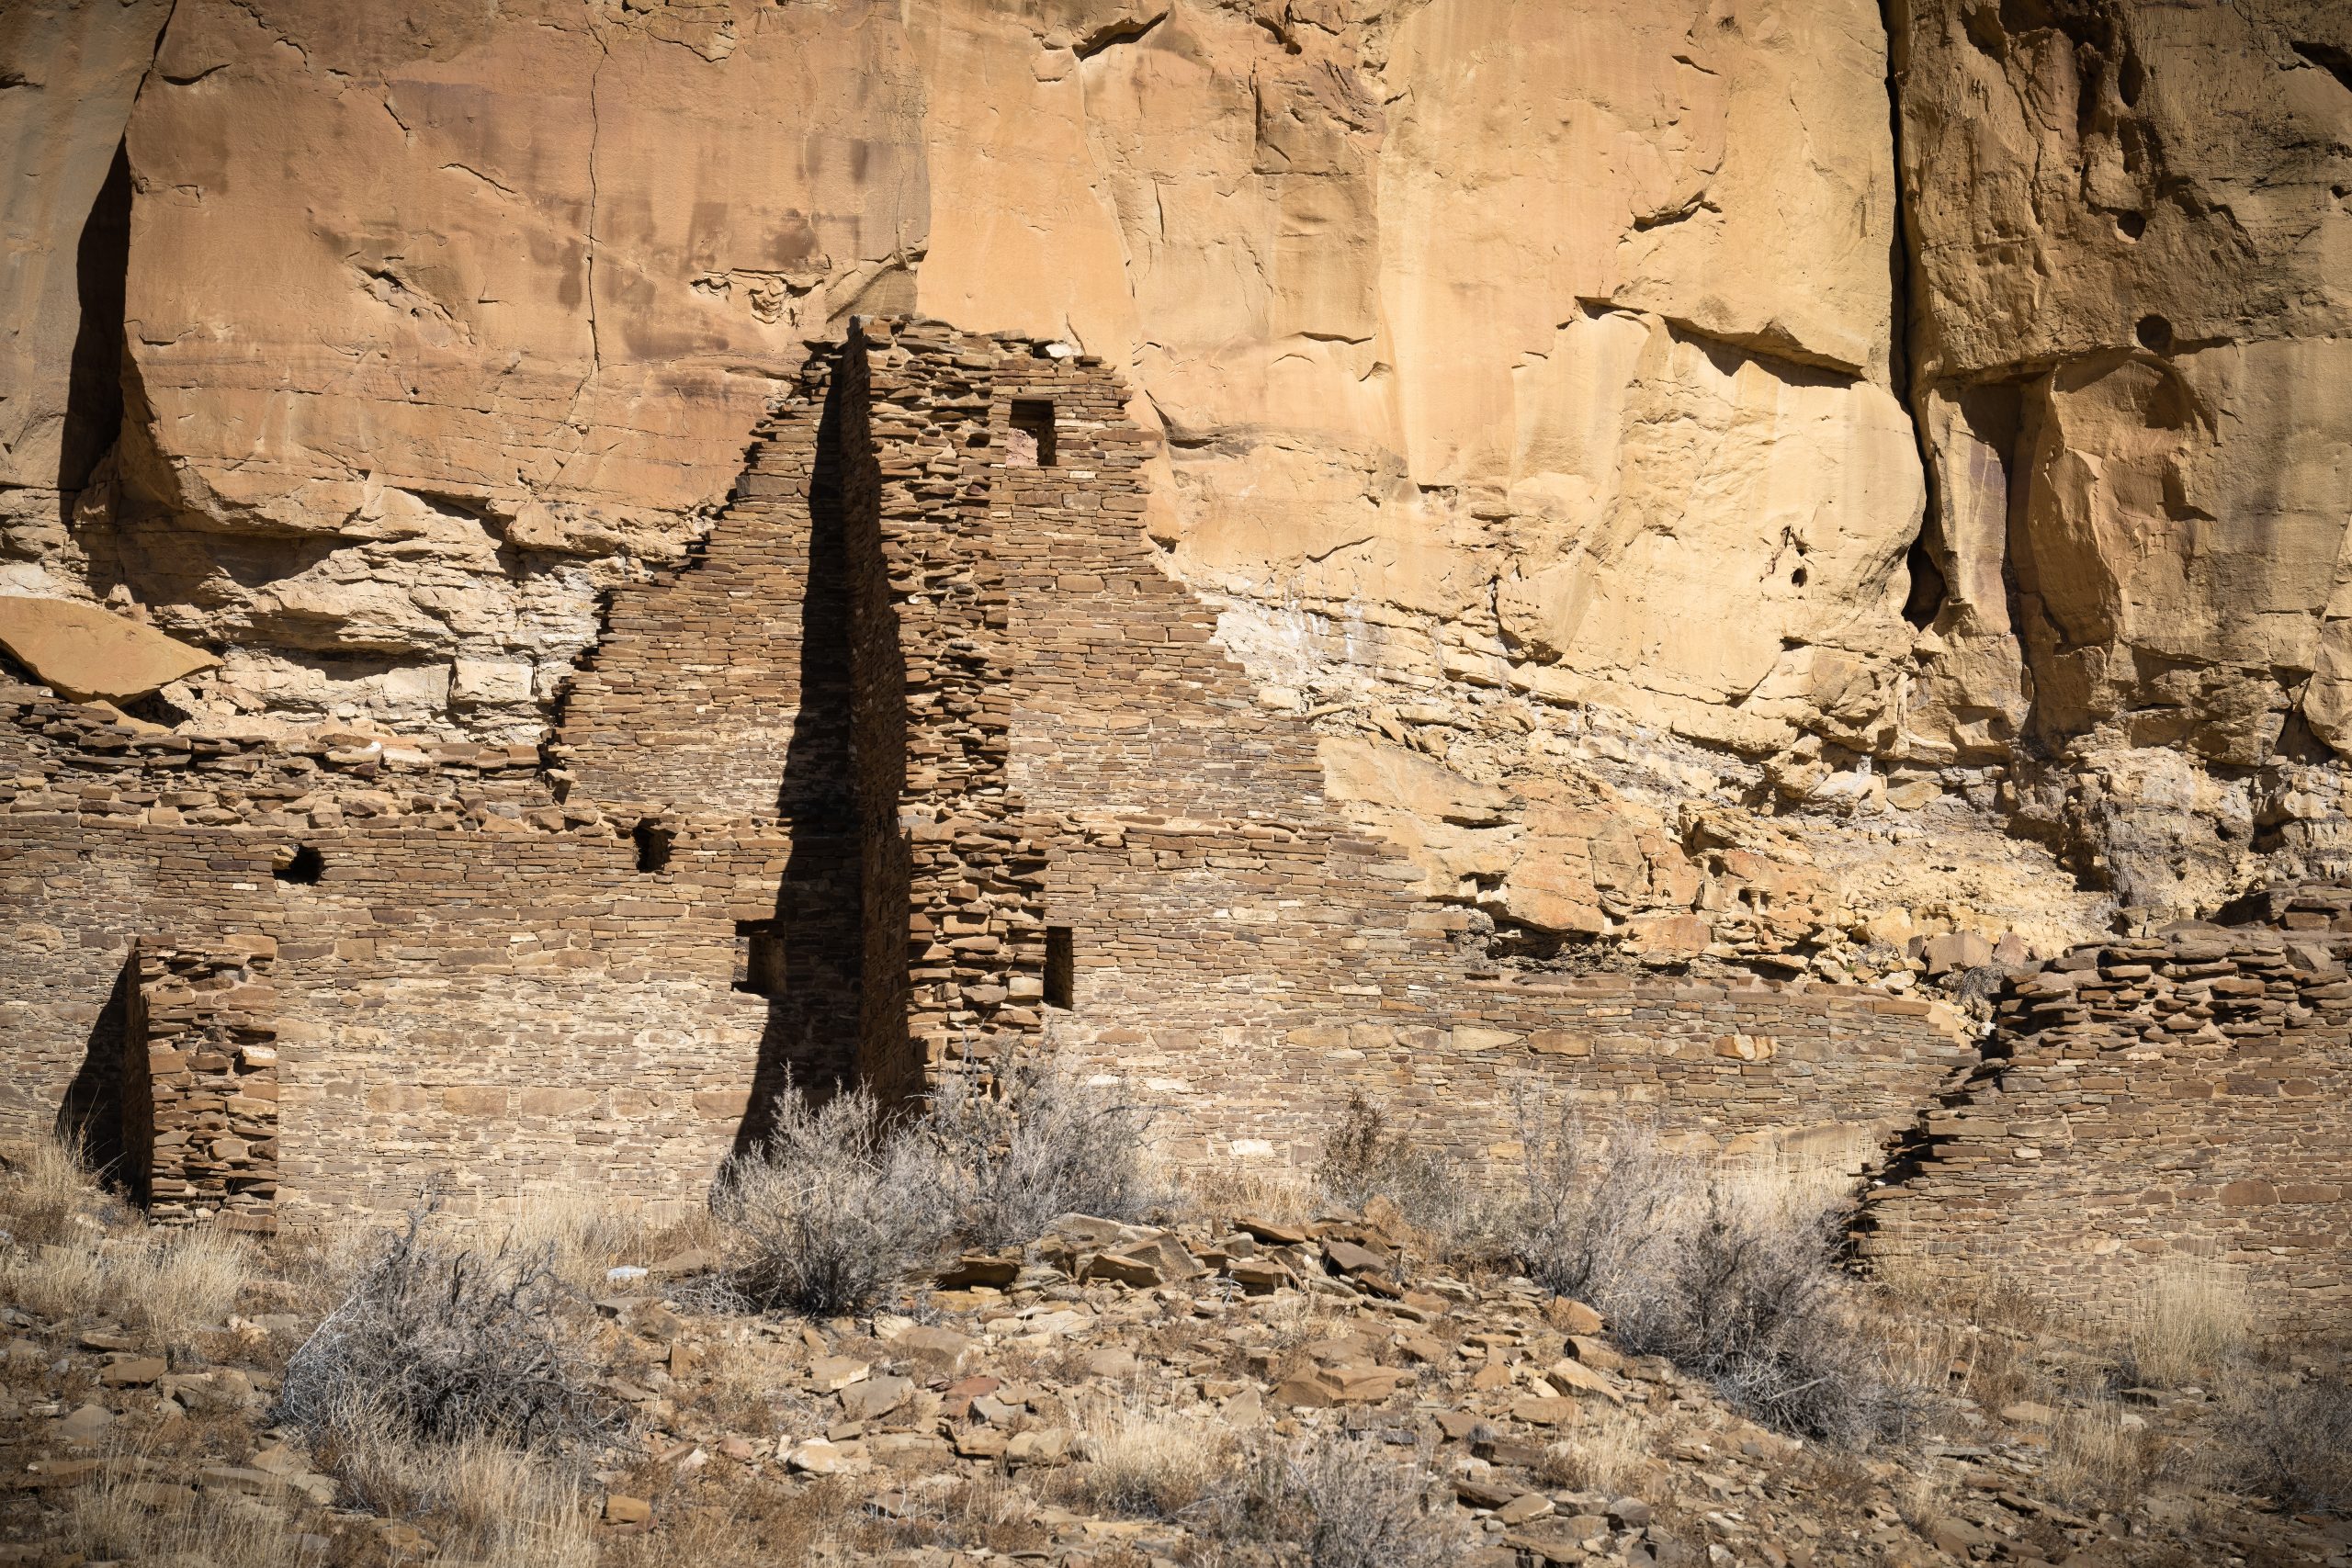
[1763, 479]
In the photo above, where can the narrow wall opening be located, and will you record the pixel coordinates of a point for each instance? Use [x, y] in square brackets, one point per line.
[1062, 967]
[1029, 443]
[653, 844]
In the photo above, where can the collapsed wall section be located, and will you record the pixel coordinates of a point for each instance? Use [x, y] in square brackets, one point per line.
[2181, 1096]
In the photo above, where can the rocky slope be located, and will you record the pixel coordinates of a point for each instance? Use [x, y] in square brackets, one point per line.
[1898, 451]
[1081, 1409]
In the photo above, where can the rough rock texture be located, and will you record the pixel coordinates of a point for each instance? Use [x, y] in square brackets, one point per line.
[2127, 236]
[1917, 426]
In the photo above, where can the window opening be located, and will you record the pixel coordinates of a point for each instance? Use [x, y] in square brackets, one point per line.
[1062, 967]
[1030, 443]
[304, 866]
[759, 958]
[652, 846]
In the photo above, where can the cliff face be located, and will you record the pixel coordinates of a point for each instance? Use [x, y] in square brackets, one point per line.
[1754, 478]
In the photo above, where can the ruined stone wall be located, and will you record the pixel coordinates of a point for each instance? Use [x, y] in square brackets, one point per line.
[2180, 1096]
[1242, 955]
[507, 1013]
[515, 980]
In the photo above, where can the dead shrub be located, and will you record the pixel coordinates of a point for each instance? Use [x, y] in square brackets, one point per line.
[447, 1343]
[1364, 1156]
[1732, 1278]
[2188, 1318]
[1338, 1500]
[2293, 1442]
[835, 1209]
[1048, 1143]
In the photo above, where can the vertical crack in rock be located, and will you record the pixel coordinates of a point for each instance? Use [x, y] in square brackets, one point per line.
[596, 347]
[1926, 596]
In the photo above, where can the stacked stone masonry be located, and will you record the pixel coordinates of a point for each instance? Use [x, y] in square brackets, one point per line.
[923, 707]
[2184, 1097]
[199, 1089]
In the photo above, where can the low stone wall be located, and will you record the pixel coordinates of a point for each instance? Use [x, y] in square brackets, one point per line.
[199, 1101]
[2185, 1096]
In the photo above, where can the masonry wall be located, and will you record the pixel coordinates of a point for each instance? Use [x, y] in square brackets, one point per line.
[2183, 1097]
[517, 980]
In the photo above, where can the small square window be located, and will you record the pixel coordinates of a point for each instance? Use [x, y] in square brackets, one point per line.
[1062, 967]
[1030, 443]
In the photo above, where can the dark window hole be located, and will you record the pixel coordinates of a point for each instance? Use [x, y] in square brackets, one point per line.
[759, 958]
[1030, 443]
[2154, 335]
[304, 866]
[1062, 967]
[1797, 577]
[653, 844]
[2132, 225]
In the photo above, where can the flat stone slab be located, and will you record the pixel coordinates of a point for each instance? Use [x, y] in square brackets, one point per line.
[85, 652]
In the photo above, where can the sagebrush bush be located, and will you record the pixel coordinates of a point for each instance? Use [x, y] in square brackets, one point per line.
[1364, 1156]
[442, 1343]
[1733, 1281]
[843, 1202]
[1590, 1203]
[835, 1209]
[1047, 1144]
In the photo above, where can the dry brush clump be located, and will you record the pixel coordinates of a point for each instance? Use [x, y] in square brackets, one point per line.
[169, 1285]
[2189, 1318]
[49, 1195]
[440, 1343]
[836, 1209]
[1365, 1156]
[2291, 1440]
[844, 1203]
[1732, 1277]
[1334, 1500]
[1046, 1143]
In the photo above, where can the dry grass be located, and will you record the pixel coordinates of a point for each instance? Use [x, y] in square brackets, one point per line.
[171, 1285]
[1608, 1455]
[49, 1195]
[725, 1517]
[475, 1498]
[1148, 1464]
[1255, 1190]
[123, 1517]
[2097, 1459]
[581, 1233]
[2192, 1317]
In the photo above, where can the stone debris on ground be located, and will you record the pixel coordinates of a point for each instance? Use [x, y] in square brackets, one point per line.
[1539, 1439]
